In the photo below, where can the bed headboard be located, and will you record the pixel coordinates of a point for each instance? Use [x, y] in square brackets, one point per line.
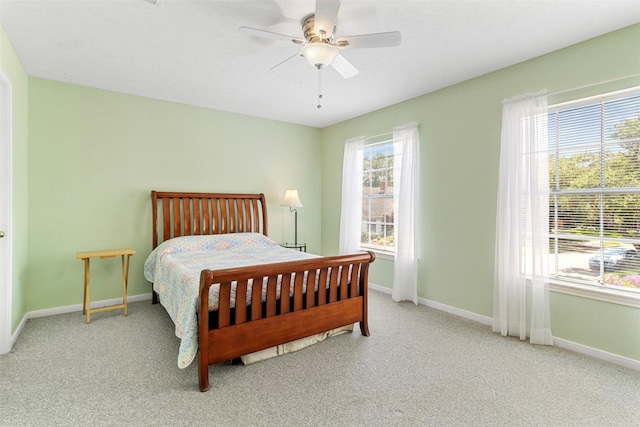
[184, 214]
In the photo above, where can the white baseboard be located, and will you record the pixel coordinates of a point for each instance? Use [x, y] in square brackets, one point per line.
[439, 306]
[379, 288]
[559, 342]
[457, 311]
[598, 354]
[19, 329]
[78, 307]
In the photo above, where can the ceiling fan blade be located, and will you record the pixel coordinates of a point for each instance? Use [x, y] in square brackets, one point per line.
[282, 62]
[326, 16]
[270, 35]
[343, 67]
[390, 39]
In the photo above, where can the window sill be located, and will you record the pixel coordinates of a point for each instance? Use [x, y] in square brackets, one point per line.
[601, 294]
[381, 254]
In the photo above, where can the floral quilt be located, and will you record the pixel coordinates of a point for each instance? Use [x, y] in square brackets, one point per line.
[174, 269]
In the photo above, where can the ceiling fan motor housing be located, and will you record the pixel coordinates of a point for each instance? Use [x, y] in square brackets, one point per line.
[310, 36]
[319, 51]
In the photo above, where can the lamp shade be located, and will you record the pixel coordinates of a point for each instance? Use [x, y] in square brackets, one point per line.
[291, 199]
[319, 54]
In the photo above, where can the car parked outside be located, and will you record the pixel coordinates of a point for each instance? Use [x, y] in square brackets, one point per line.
[616, 259]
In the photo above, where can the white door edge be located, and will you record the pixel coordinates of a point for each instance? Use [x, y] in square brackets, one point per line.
[6, 197]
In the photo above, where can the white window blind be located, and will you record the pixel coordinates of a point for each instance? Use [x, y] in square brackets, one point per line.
[595, 191]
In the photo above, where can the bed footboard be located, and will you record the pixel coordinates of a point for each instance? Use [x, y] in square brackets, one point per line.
[340, 298]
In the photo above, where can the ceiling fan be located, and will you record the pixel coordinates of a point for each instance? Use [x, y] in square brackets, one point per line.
[321, 46]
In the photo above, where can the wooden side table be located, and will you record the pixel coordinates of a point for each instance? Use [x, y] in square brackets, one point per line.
[110, 253]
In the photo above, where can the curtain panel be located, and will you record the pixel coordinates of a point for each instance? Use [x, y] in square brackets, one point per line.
[405, 174]
[351, 210]
[522, 222]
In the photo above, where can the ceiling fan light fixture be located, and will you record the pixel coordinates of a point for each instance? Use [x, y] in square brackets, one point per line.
[319, 54]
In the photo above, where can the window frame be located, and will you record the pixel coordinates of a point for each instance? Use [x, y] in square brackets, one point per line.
[380, 140]
[594, 290]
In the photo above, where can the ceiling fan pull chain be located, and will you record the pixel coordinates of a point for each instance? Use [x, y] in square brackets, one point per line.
[319, 87]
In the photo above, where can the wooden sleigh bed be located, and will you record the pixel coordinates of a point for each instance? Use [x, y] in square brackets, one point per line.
[289, 306]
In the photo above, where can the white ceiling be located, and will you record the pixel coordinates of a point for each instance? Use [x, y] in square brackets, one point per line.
[191, 52]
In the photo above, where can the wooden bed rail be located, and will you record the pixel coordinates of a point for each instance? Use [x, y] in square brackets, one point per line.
[279, 320]
[186, 214]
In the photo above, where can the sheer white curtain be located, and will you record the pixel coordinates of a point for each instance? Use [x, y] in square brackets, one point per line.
[522, 223]
[351, 211]
[405, 177]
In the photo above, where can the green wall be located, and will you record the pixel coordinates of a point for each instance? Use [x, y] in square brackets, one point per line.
[12, 67]
[460, 145]
[95, 155]
[82, 182]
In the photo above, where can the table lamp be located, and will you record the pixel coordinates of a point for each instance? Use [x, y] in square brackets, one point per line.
[292, 200]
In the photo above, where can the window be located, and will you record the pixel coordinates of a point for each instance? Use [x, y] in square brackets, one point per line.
[378, 197]
[594, 203]
[380, 179]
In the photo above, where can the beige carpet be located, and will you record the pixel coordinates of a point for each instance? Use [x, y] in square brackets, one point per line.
[419, 367]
